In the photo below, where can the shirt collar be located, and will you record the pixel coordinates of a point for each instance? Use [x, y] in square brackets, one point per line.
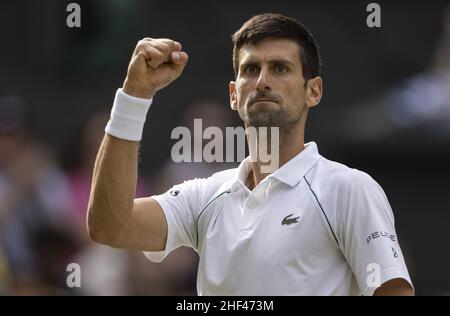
[290, 173]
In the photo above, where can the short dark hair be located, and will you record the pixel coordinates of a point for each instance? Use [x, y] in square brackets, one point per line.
[274, 25]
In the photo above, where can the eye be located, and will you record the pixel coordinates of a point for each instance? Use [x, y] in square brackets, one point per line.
[250, 69]
[281, 69]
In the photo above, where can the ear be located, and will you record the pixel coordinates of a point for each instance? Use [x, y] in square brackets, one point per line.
[314, 90]
[233, 97]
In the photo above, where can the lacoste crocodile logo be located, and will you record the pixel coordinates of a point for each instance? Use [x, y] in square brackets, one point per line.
[288, 221]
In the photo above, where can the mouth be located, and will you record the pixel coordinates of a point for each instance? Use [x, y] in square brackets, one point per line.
[263, 101]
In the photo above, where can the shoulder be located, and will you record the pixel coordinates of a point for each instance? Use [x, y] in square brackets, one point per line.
[221, 180]
[223, 176]
[350, 197]
[337, 176]
[206, 188]
[342, 189]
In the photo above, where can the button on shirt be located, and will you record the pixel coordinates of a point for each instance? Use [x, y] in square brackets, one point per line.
[313, 227]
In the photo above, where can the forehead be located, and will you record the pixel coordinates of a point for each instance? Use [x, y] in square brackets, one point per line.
[270, 49]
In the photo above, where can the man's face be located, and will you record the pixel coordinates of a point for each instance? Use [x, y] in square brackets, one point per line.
[270, 87]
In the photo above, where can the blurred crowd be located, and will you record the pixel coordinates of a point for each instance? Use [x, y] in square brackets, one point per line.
[416, 106]
[43, 202]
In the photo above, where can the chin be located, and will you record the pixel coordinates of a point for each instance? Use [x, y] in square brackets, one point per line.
[262, 121]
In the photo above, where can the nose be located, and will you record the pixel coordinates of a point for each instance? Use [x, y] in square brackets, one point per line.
[263, 80]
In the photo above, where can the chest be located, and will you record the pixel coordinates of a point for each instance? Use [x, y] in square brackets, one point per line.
[280, 227]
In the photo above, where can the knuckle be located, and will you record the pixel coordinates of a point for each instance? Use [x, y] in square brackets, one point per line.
[141, 45]
[164, 47]
[168, 41]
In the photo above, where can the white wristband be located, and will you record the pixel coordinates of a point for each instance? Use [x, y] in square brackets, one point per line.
[128, 116]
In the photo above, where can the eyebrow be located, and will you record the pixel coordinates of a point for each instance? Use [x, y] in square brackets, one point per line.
[251, 61]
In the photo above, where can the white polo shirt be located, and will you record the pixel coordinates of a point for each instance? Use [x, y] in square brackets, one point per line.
[313, 227]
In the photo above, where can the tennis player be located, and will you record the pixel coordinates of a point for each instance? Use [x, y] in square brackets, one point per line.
[310, 227]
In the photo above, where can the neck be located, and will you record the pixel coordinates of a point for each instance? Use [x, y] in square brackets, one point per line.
[291, 143]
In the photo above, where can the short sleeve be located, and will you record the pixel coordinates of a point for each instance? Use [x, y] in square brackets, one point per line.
[180, 205]
[366, 233]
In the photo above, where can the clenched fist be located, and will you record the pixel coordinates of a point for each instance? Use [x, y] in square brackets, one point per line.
[155, 64]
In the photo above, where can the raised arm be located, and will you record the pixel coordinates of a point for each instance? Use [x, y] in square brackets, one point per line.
[114, 217]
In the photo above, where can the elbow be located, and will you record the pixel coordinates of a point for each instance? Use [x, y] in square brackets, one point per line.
[101, 236]
[95, 233]
[98, 230]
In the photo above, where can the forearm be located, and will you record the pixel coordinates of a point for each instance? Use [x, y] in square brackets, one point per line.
[113, 189]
